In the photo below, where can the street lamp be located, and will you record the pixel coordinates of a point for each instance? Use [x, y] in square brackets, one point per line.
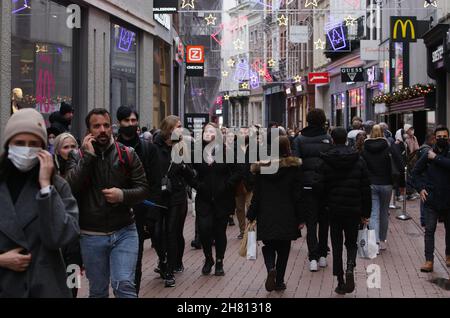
[404, 216]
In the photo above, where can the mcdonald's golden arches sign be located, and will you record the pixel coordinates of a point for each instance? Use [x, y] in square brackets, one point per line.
[404, 29]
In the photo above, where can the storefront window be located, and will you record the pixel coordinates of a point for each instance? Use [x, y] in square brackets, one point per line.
[339, 101]
[123, 68]
[399, 71]
[41, 55]
[162, 78]
[356, 102]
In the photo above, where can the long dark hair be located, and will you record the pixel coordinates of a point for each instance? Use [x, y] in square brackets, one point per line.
[5, 164]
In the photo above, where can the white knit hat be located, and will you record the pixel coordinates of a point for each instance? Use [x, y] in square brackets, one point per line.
[407, 127]
[26, 120]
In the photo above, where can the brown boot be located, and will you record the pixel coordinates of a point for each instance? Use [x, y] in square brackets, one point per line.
[427, 268]
[447, 261]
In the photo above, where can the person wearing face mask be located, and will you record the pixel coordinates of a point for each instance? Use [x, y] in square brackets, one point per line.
[216, 185]
[174, 180]
[108, 179]
[146, 217]
[431, 178]
[38, 215]
[51, 133]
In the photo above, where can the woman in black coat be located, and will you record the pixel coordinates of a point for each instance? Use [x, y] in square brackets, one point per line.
[277, 207]
[175, 178]
[216, 185]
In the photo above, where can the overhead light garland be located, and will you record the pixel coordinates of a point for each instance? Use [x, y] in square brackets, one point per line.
[407, 93]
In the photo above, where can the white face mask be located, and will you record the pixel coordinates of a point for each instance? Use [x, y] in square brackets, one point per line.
[23, 158]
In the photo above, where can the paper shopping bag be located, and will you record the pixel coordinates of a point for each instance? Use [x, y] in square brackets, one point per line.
[367, 243]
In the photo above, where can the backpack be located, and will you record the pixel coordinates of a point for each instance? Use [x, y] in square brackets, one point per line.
[125, 158]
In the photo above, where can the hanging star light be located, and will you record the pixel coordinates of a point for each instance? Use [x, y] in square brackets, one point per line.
[231, 62]
[211, 20]
[225, 74]
[262, 72]
[320, 45]
[244, 85]
[311, 3]
[297, 79]
[283, 20]
[238, 44]
[226, 97]
[188, 3]
[349, 21]
[430, 3]
[271, 63]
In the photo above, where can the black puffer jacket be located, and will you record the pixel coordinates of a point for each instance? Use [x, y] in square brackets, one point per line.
[344, 183]
[216, 186]
[377, 154]
[308, 146]
[277, 204]
[92, 173]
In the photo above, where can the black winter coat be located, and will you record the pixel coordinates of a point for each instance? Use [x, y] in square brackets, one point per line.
[277, 204]
[216, 185]
[377, 154]
[59, 123]
[344, 183]
[148, 153]
[180, 175]
[434, 176]
[308, 146]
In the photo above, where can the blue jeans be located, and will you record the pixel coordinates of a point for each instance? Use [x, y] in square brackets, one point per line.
[111, 256]
[379, 219]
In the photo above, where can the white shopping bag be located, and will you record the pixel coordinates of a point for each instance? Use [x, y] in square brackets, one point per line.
[251, 245]
[367, 243]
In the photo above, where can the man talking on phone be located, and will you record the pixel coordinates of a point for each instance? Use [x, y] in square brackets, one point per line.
[108, 179]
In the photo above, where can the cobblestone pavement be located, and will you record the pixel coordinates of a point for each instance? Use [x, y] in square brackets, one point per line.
[399, 266]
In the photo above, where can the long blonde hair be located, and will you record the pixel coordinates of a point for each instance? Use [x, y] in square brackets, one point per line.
[377, 132]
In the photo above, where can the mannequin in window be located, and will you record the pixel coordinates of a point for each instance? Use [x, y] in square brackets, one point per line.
[17, 96]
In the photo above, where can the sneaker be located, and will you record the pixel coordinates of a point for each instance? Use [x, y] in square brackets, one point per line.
[313, 266]
[196, 244]
[179, 269]
[207, 268]
[323, 262]
[280, 286]
[427, 267]
[270, 281]
[219, 268]
[169, 281]
[383, 246]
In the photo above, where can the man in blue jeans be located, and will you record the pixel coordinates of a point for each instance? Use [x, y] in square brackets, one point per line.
[431, 177]
[108, 179]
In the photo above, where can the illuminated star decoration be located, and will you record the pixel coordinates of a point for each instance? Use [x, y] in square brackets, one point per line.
[320, 45]
[238, 44]
[262, 72]
[25, 69]
[430, 3]
[311, 2]
[211, 20]
[244, 85]
[271, 63]
[297, 79]
[225, 74]
[349, 21]
[226, 97]
[231, 62]
[188, 3]
[283, 20]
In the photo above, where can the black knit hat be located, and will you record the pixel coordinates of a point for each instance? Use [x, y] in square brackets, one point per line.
[124, 112]
[65, 109]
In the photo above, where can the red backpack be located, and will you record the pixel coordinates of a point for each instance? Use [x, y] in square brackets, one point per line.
[124, 157]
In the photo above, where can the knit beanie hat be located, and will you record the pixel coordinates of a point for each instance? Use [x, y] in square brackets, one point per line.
[65, 109]
[26, 120]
